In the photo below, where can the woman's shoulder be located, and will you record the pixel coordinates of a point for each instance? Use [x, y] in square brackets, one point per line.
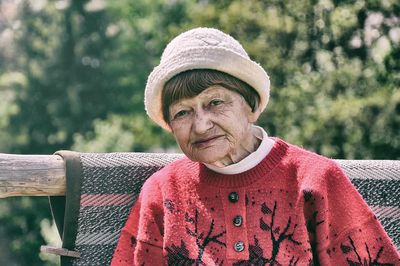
[306, 157]
[308, 163]
[312, 171]
[174, 170]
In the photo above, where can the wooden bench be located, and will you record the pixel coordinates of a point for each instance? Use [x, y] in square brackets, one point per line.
[91, 194]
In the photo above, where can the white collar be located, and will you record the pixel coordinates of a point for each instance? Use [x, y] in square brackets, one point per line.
[251, 160]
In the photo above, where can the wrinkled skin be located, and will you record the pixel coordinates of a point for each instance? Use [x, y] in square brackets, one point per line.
[214, 127]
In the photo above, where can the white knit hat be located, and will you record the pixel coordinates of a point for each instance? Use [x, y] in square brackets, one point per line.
[203, 48]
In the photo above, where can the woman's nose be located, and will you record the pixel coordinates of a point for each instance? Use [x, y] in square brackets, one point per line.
[202, 123]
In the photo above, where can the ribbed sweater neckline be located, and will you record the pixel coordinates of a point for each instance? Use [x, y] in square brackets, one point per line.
[248, 177]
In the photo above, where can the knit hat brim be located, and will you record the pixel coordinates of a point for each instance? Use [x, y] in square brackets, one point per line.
[216, 58]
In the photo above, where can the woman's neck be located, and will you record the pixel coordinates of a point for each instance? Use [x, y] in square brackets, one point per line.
[264, 146]
[247, 146]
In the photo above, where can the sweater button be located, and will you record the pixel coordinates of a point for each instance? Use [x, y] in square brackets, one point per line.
[237, 221]
[239, 246]
[233, 197]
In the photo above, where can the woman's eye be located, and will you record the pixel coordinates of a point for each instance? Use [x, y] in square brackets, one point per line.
[216, 102]
[181, 114]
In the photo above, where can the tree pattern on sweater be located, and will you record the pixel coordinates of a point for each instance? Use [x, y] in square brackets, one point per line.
[179, 255]
[354, 258]
[275, 235]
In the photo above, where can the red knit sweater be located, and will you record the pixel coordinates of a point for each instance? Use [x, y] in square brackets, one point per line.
[294, 208]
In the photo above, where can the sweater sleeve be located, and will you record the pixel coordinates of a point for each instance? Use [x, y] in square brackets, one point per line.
[141, 238]
[343, 230]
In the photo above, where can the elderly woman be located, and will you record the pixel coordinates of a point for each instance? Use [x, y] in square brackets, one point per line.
[239, 197]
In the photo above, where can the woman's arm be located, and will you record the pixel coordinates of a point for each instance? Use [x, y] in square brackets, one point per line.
[141, 238]
[343, 229]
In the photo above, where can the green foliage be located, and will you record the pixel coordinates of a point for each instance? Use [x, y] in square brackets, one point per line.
[20, 229]
[72, 76]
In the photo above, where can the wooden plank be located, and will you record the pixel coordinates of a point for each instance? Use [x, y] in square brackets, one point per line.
[31, 175]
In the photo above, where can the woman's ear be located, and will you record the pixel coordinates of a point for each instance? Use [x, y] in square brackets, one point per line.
[254, 115]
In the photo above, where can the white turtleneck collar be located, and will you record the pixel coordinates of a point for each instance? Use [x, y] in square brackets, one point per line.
[251, 160]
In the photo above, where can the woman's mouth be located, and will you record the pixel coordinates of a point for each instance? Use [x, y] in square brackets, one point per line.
[205, 142]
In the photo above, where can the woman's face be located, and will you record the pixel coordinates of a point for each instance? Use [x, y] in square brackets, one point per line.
[214, 127]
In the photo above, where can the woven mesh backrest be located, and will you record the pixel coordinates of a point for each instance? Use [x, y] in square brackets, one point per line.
[112, 181]
[379, 184]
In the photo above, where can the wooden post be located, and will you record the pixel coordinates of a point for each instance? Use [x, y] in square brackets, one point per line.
[31, 175]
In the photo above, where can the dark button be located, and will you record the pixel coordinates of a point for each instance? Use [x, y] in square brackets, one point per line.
[238, 220]
[233, 197]
[239, 246]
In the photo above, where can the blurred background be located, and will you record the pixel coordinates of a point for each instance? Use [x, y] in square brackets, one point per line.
[72, 75]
